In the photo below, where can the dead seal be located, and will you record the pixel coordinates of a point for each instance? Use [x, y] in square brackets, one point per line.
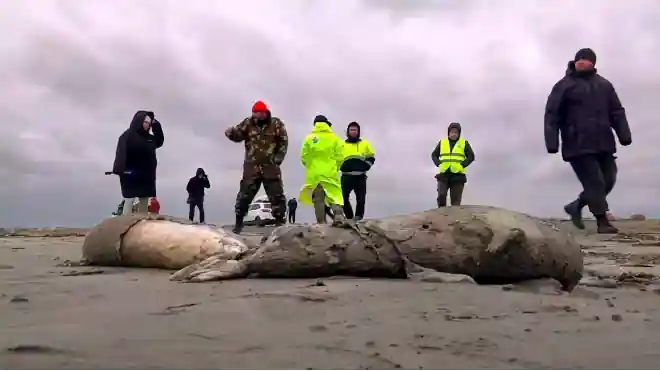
[491, 245]
[157, 241]
[297, 251]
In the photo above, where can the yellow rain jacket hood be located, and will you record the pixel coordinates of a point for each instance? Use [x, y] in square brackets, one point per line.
[322, 155]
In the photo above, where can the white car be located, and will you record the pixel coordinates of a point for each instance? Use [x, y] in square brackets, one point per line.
[259, 212]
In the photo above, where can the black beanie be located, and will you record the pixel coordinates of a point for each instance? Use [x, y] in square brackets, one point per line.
[585, 53]
[321, 118]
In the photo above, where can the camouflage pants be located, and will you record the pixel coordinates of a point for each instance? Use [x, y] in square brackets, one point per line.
[274, 190]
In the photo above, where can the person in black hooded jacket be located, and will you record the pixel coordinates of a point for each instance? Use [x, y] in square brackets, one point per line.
[584, 108]
[292, 206]
[452, 155]
[195, 189]
[135, 160]
[359, 157]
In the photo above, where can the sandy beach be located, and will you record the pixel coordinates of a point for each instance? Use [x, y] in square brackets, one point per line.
[58, 315]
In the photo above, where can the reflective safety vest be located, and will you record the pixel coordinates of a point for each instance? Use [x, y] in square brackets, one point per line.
[452, 159]
[357, 152]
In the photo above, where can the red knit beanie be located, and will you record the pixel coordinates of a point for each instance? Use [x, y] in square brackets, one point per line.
[259, 106]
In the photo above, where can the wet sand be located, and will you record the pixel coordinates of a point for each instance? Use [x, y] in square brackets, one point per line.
[59, 316]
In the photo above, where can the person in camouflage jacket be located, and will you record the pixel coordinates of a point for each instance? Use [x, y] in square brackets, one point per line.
[266, 143]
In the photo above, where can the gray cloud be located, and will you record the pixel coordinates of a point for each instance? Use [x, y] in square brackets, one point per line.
[76, 71]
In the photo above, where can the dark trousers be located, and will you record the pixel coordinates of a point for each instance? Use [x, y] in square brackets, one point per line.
[452, 186]
[597, 173]
[191, 213]
[357, 184]
[292, 216]
[274, 190]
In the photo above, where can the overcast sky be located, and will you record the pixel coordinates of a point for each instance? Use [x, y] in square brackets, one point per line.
[73, 73]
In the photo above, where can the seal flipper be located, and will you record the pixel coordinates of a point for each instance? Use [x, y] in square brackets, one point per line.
[502, 240]
[211, 269]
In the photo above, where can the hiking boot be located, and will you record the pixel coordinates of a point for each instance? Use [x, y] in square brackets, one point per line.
[604, 225]
[574, 210]
[238, 227]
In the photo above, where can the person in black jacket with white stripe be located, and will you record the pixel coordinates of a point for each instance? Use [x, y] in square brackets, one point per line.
[359, 157]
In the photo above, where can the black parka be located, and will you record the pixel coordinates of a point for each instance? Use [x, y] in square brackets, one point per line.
[583, 109]
[196, 186]
[135, 159]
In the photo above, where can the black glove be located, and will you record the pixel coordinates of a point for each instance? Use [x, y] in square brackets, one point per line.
[626, 142]
[553, 150]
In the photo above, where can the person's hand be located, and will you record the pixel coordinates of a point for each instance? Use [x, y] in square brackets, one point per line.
[626, 142]
[229, 131]
[552, 151]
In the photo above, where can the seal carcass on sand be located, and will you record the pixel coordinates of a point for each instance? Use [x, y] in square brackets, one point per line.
[157, 241]
[489, 244]
[306, 251]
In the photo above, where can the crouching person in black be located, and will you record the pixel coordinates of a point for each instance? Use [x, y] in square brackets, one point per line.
[195, 188]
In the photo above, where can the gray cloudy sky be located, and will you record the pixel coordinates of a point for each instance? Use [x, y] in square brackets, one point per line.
[74, 72]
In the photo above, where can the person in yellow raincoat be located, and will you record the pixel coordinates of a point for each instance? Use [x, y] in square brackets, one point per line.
[322, 155]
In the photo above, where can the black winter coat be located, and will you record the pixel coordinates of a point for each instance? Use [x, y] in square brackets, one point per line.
[584, 108]
[196, 186]
[136, 154]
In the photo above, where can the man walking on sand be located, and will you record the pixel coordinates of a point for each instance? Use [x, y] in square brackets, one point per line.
[266, 143]
[584, 108]
[452, 155]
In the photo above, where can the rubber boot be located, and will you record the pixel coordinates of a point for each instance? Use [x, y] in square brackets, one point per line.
[574, 210]
[318, 200]
[328, 212]
[238, 226]
[604, 225]
[319, 212]
[338, 218]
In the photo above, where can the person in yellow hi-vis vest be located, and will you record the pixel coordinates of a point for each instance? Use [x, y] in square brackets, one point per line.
[359, 157]
[321, 155]
[452, 155]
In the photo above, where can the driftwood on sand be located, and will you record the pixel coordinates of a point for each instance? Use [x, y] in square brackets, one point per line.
[156, 241]
[489, 244]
